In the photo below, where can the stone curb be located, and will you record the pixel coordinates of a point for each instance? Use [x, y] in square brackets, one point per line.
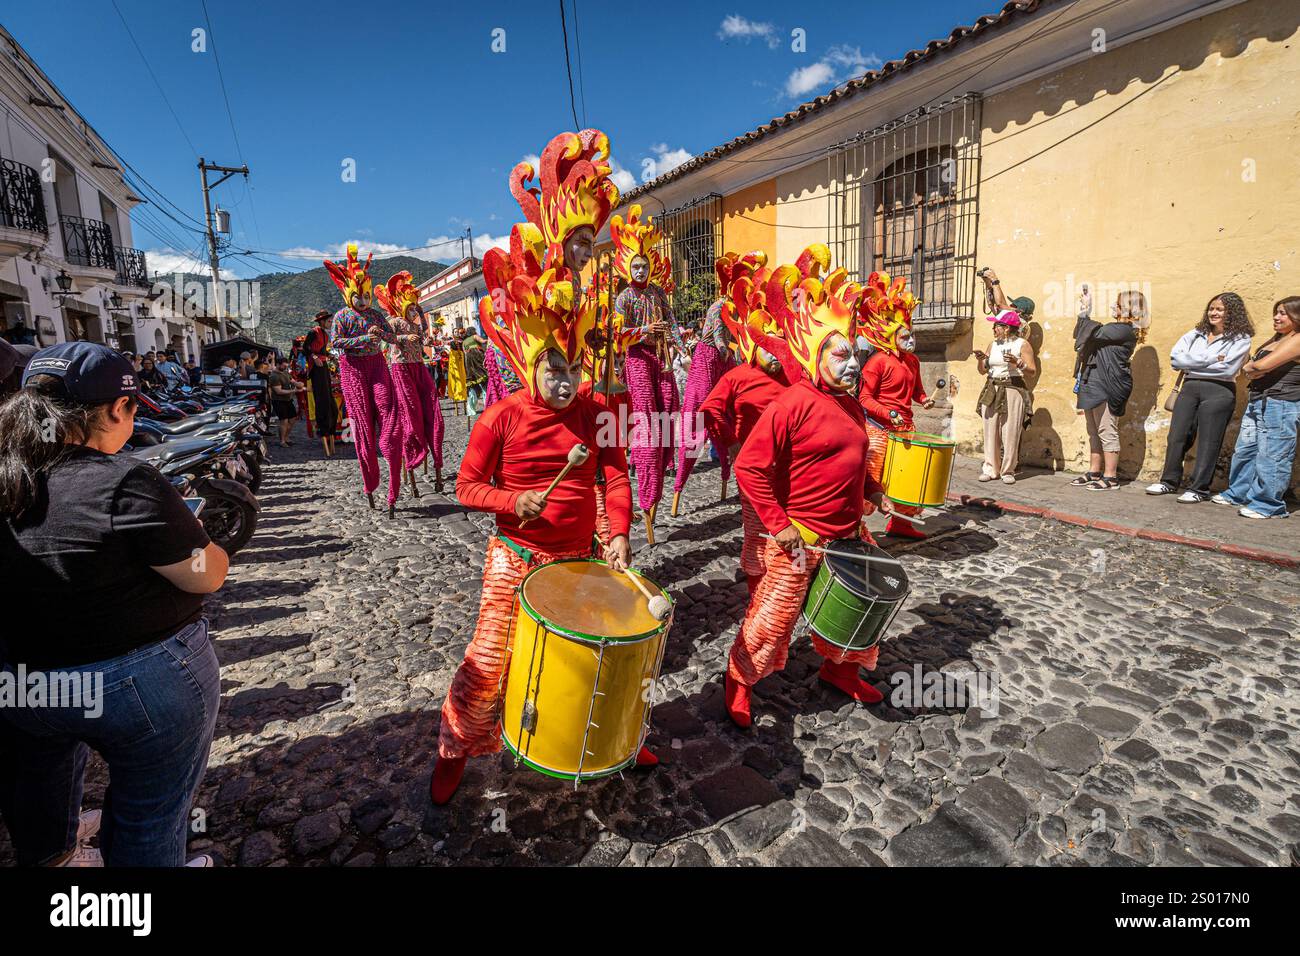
[1205, 544]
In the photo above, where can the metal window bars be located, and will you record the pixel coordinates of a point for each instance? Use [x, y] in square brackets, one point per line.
[22, 205]
[131, 267]
[904, 199]
[88, 242]
[693, 236]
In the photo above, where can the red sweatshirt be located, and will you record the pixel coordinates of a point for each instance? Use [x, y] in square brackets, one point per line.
[807, 459]
[891, 381]
[521, 444]
[622, 400]
[736, 402]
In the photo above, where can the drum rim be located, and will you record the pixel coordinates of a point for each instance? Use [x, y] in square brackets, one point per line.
[565, 774]
[581, 635]
[869, 597]
[912, 438]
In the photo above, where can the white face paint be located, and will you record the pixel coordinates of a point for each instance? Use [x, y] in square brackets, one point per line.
[557, 380]
[579, 248]
[906, 341]
[839, 364]
[360, 301]
[640, 270]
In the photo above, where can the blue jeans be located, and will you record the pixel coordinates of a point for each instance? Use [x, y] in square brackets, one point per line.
[1265, 453]
[150, 714]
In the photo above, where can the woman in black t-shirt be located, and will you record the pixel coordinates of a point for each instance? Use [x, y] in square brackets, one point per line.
[1103, 381]
[109, 567]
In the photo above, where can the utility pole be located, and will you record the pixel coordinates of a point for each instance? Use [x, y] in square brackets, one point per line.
[213, 259]
[469, 235]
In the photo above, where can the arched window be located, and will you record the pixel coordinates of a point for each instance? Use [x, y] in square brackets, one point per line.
[914, 225]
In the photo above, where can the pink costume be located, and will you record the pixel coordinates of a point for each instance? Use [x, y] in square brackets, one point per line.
[363, 376]
[418, 412]
[656, 407]
[709, 362]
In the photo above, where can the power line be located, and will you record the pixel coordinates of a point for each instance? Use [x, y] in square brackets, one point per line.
[577, 42]
[161, 93]
[568, 68]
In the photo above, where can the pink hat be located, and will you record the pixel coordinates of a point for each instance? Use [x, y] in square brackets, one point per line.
[1006, 317]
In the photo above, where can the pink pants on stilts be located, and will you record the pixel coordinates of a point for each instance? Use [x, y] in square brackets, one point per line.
[421, 418]
[368, 394]
[655, 408]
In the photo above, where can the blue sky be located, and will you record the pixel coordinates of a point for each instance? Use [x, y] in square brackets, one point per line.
[433, 117]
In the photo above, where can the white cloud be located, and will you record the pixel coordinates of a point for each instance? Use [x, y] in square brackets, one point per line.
[838, 64]
[737, 27]
[166, 262]
[621, 176]
[663, 160]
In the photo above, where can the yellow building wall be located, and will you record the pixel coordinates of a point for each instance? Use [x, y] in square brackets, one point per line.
[802, 211]
[749, 219]
[1169, 166]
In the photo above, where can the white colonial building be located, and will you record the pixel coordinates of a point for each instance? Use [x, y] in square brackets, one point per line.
[69, 269]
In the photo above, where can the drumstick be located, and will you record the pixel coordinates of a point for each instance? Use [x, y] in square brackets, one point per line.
[844, 554]
[899, 514]
[577, 455]
[656, 604]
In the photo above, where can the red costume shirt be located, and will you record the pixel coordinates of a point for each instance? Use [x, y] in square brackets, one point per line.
[736, 403]
[621, 407]
[891, 381]
[520, 444]
[807, 459]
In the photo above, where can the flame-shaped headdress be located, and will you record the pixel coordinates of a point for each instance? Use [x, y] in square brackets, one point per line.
[637, 237]
[886, 310]
[526, 316]
[351, 277]
[575, 191]
[398, 295]
[811, 309]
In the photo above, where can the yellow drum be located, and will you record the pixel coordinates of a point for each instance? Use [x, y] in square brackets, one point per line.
[917, 468]
[586, 655]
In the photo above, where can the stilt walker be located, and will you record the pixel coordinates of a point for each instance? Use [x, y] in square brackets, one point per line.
[416, 403]
[606, 388]
[736, 403]
[656, 406]
[535, 315]
[891, 379]
[710, 361]
[804, 468]
[360, 332]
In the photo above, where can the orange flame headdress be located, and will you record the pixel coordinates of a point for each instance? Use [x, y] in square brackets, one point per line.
[575, 191]
[525, 316]
[886, 310]
[351, 277]
[637, 237]
[398, 295]
[810, 309]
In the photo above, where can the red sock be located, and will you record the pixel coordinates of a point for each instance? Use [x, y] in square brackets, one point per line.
[844, 676]
[738, 702]
[645, 758]
[447, 772]
[901, 528]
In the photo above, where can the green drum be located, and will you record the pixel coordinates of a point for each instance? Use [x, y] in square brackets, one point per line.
[852, 601]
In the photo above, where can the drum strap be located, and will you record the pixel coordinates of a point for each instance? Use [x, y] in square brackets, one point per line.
[517, 548]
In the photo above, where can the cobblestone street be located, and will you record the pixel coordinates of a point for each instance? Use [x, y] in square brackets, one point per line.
[1147, 713]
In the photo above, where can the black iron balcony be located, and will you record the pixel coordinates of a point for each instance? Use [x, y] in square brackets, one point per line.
[131, 269]
[88, 242]
[21, 204]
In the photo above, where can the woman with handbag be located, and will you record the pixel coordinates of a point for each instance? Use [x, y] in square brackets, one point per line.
[1208, 359]
[1005, 402]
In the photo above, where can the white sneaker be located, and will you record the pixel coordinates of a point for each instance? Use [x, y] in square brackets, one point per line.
[1191, 498]
[1247, 513]
[88, 825]
[1220, 500]
[84, 856]
[984, 477]
[1008, 479]
[1160, 488]
[202, 860]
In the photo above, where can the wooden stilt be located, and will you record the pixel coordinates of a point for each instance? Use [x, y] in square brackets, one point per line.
[370, 496]
[722, 496]
[415, 489]
[650, 524]
[677, 498]
[437, 481]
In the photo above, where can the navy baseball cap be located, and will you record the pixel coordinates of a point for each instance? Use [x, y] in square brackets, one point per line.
[92, 373]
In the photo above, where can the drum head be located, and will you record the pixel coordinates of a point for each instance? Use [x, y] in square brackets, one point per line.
[869, 579]
[585, 599]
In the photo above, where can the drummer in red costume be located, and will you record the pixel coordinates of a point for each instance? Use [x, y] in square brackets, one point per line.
[891, 379]
[804, 468]
[734, 405]
[535, 314]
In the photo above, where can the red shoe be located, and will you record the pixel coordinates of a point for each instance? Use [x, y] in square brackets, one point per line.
[645, 758]
[752, 581]
[903, 529]
[447, 772]
[738, 702]
[844, 676]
